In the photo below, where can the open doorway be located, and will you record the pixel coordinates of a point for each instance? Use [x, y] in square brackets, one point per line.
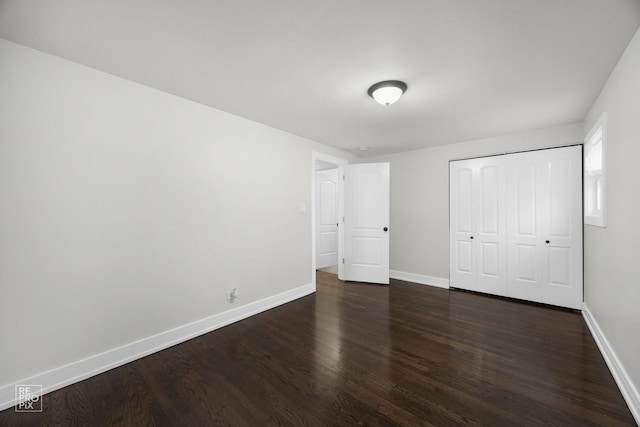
[326, 208]
[361, 195]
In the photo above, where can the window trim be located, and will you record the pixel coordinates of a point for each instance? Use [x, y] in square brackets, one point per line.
[590, 141]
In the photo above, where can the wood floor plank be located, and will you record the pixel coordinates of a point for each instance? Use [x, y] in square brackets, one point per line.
[361, 354]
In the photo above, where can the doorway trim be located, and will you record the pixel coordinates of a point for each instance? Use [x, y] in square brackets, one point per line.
[338, 162]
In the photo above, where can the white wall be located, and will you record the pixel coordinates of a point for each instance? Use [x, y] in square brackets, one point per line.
[126, 211]
[612, 254]
[420, 195]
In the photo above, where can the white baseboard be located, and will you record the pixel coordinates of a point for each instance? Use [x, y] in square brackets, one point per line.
[63, 376]
[419, 278]
[626, 386]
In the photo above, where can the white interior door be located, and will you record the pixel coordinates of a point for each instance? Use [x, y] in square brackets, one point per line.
[326, 218]
[491, 225]
[366, 222]
[545, 227]
[462, 250]
[478, 225]
[524, 194]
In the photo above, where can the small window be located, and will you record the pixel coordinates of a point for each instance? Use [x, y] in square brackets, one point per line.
[594, 174]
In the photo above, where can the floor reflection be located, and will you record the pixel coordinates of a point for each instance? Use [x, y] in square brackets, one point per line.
[407, 354]
[338, 357]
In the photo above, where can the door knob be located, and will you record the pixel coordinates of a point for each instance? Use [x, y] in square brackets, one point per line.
[385, 229]
[547, 242]
[471, 237]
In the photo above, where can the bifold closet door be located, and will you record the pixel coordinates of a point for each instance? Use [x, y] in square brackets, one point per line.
[544, 214]
[478, 225]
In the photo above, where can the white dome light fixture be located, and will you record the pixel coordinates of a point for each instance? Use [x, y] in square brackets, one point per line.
[387, 92]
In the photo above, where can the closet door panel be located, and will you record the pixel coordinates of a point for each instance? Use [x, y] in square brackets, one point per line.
[525, 193]
[490, 259]
[462, 270]
[464, 255]
[490, 238]
[559, 266]
[523, 212]
[526, 263]
[559, 201]
[490, 194]
[464, 210]
[562, 228]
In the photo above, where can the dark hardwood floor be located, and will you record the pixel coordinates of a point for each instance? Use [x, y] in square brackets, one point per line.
[361, 354]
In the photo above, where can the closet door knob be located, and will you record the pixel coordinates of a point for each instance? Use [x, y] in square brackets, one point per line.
[385, 229]
[471, 237]
[547, 242]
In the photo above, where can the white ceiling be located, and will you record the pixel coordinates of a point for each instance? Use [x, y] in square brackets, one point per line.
[474, 68]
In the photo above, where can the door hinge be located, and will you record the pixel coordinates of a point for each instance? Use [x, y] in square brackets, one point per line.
[343, 260]
[344, 177]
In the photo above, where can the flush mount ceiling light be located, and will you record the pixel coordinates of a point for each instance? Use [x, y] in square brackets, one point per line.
[387, 92]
